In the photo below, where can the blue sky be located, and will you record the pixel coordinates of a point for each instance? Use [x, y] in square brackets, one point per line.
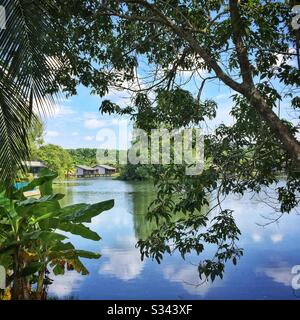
[77, 123]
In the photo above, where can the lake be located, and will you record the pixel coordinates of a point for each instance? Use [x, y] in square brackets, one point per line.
[264, 272]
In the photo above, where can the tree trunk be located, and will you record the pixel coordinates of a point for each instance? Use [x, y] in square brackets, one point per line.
[289, 142]
[40, 292]
[20, 288]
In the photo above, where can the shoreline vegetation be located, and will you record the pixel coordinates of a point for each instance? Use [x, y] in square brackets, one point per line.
[64, 162]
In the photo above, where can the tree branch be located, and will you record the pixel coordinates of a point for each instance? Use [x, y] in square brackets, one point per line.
[247, 88]
[241, 49]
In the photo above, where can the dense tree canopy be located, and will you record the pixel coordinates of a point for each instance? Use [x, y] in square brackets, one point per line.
[143, 47]
[86, 156]
[56, 158]
[237, 42]
[166, 54]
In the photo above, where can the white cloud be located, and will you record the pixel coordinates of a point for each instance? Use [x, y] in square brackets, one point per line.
[94, 123]
[289, 59]
[52, 133]
[119, 218]
[280, 274]
[65, 285]
[56, 111]
[188, 277]
[121, 94]
[120, 122]
[75, 133]
[276, 237]
[256, 237]
[88, 138]
[279, 59]
[124, 264]
[118, 96]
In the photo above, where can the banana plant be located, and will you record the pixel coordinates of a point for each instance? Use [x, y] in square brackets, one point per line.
[31, 241]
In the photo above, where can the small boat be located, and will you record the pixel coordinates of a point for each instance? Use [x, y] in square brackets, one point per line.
[30, 193]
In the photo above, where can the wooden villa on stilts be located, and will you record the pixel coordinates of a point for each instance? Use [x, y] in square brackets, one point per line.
[105, 170]
[83, 171]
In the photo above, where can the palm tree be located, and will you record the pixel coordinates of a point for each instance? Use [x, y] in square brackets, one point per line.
[28, 66]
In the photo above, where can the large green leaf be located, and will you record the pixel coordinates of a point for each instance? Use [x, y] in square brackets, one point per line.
[58, 269]
[72, 254]
[38, 207]
[32, 268]
[87, 254]
[87, 212]
[6, 260]
[3, 212]
[46, 187]
[31, 201]
[62, 246]
[5, 202]
[9, 247]
[59, 266]
[70, 210]
[43, 236]
[50, 223]
[79, 229]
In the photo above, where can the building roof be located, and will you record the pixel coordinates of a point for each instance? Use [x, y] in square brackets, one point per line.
[85, 167]
[34, 164]
[105, 166]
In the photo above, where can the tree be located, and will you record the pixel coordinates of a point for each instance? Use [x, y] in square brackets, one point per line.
[30, 59]
[244, 45]
[142, 47]
[30, 243]
[175, 35]
[56, 158]
[85, 156]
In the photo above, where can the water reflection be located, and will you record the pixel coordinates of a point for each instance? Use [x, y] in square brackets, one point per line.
[66, 286]
[125, 262]
[263, 273]
[188, 279]
[280, 274]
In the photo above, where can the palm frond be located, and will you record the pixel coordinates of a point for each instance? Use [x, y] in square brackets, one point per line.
[14, 122]
[28, 64]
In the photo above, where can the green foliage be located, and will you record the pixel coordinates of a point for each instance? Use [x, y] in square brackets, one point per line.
[137, 172]
[26, 73]
[30, 242]
[183, 235]
[56, 158]
[237, 43]
[88, 156]
[83, 156]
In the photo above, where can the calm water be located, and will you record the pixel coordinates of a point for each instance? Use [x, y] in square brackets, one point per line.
[264, 272]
